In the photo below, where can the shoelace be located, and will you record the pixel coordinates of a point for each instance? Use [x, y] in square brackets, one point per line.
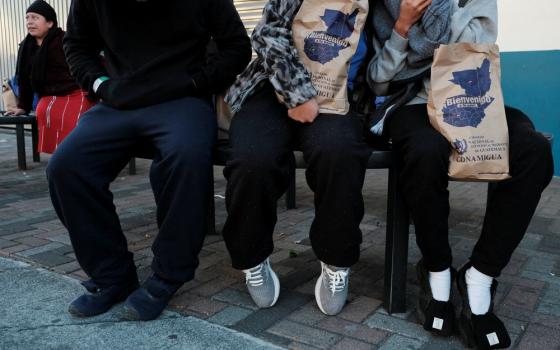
[254, 277]
[337, 280]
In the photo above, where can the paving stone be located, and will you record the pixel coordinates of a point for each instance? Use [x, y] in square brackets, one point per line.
[236, 297]
[539, 337]
[207, 307]
[514, 312]
[32, 241]
[545, 277]
[50, 259]
[437, 343]
[68, 267]
[402, 343]
[61, 238]
[6, 244]
[308, 314]
[551, 295]
[354, 330]
[541, 265]
[304, 334]
[41, 249]
[359, 309]
[397, 325]
[523, 297]
[230, 316]
[299, 346]
[349, 343]
[15, 249]
[262, 319]
[214, 286]
[549, 309]
[546, 320]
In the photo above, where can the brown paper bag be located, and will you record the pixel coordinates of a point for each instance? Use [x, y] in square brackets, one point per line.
[8, 97]
[466, 105]
[326, 34]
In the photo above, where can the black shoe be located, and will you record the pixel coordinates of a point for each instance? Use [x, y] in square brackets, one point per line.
[437, 317]
[99, 300]
[483, 331]
[149, 301]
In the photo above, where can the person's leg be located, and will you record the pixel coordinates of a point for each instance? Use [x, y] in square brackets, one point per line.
[512, 202]
[258, 173]
[425, 156]
[336, 157]
[182, 133]
[79, 174]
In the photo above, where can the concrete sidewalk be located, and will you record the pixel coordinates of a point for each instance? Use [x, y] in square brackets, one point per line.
[33, 308]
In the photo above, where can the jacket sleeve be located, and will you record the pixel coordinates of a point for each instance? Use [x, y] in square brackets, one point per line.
[25, 91]
[387, 62]
[233, 46]
[273, 41]
[83, 45]
[476, 22]
[25, 94]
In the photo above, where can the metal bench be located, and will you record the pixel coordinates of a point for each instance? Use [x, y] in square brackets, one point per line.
[397, 217]
[18, 123]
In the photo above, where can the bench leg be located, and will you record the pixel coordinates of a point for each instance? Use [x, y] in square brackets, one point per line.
[396, 248]
[132, 166]
[211, 220]
[35, 142]
[291, 191]
[20, 139]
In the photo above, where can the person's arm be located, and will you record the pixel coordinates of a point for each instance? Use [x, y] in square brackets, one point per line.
[272, 40]
[233, 44]
[83, 45]
[476, 22]
[26, 95]
[390, 59]
[387, 62]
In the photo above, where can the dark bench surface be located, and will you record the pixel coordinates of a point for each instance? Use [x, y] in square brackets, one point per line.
[21, 119]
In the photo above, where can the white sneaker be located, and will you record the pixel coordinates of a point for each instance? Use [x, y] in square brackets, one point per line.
[331, 289]
[263, 284]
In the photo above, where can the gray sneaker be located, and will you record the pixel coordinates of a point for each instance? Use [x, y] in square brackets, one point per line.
[263, 284]
[331, 289]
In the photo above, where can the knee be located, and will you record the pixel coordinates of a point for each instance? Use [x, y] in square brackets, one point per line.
[61, 165]
[338, 152]
[189, 155]
[538, 151]
[429, 149]
[257, 164]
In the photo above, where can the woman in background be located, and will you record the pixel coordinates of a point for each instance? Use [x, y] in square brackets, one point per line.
[42, 70]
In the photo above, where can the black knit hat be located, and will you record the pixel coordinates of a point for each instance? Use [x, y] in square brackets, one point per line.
[44, 9]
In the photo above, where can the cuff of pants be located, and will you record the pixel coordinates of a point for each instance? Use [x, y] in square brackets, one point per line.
[345, 258]
[487, 269]
[436, 266]
[239, 262]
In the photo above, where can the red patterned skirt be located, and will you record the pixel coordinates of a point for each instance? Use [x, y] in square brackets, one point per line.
[57, 116]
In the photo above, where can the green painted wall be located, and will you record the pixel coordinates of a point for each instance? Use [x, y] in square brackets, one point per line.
[531, 82]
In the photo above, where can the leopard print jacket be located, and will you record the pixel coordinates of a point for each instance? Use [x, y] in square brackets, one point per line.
[277, 59]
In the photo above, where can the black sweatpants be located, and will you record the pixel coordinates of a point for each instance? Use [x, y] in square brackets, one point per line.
[510, 206]
[181, 135]
[262, 138]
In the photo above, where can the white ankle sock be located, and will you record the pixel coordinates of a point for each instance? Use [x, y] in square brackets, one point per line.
[440, 284]
[478, 289]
